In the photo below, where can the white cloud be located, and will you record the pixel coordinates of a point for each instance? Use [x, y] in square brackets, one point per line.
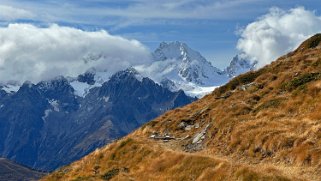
[32, 53]
[277, 33]
[11, 13]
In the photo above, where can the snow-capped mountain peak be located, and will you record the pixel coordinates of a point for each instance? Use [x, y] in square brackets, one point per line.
[176, 50]
[181, 67]
[127, 73]
[191, 66]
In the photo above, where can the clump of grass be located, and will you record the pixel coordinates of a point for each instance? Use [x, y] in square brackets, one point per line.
[241, 80]
[58, 175]
[315, 41]
[300, 81]
[113, 156]
[312, 42]
[246, 174]
[274, 103]
[316, 113]
[81, 179]
[110, 174]
[124, 143]
[151, 124]
[317, 63]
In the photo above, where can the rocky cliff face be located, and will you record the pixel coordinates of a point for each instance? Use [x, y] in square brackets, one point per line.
[48, 125]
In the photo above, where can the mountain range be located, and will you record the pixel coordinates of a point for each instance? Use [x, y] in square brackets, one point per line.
[261, 125]
[49, 124]
[46, 125]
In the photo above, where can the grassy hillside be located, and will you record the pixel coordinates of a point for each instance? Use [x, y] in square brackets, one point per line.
[262, 125]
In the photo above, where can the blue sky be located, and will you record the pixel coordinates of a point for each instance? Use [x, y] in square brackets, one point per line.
[208, 26]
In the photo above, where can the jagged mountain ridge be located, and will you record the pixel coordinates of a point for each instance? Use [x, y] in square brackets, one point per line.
[47, 125]
[192, 66]
[177, 66]
[262, 125]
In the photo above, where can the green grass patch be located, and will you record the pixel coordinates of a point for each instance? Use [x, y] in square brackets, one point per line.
[274, 103]
[299, 82]
[241, 80]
